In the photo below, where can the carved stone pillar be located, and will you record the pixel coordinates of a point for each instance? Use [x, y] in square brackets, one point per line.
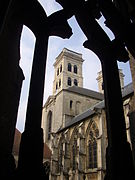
[118, 155]
[11, 78]
[119, 161]
[31, 147]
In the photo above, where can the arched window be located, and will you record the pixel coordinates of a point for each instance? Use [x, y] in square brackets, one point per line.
[57, 71]
[69, 67]
[75, 82]
[71, 102]
[59, 82]
[61, 68]
[75, 69]
[49, 125]
[60, 155]
[92, 151]
[74, 151]
[69, 81]
[67, 149]
[73, 146]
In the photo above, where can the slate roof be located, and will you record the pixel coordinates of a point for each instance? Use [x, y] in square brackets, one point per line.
[86, 92]
[128, 90]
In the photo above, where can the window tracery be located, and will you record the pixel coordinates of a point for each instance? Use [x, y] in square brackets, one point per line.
[92, 145]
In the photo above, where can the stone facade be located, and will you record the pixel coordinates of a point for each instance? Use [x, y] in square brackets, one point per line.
[74, 124]
[67, 101]
[89, 133]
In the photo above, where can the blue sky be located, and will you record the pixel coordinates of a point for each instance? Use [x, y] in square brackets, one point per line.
[91, 65]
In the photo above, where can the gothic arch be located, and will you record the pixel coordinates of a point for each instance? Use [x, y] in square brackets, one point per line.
[92, 126]
[74, 133]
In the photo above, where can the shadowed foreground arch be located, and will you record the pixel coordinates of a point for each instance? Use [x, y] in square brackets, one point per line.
[120, 18]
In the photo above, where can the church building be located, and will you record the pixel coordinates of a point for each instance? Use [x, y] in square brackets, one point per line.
[74, 121]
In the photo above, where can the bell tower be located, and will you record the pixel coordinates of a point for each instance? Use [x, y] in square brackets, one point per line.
[68, 70]
[100, 80]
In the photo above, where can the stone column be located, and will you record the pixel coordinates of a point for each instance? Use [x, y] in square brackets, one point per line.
[31, 148]
[11, 78]
[118, 155]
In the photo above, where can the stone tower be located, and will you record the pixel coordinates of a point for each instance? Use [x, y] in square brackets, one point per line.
[100, 80]
[68, 70]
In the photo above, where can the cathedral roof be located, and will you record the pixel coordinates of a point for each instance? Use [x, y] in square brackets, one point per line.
[127, 91]
[86, 92]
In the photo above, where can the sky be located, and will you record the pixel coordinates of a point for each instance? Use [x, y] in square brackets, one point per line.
[91, 64]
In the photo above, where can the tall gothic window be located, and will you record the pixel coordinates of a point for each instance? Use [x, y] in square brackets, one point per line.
[75, 69]
[60, 155]
[69, 81]
[92, 151]
[69, 67]
[74, 151]
[49, 126]
[57, 71]
[59, 82]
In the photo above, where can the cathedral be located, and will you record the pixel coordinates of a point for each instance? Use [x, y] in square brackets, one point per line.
[74, 122]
